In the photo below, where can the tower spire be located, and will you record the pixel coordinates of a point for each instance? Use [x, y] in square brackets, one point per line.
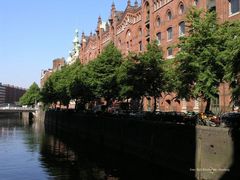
[113, 5]
[129, 3]
[99, 20]
[136, 3]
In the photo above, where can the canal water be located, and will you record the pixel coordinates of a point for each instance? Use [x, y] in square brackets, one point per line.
[28, 152]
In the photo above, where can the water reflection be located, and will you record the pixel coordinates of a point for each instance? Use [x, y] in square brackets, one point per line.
[18, 161]
[28, 152]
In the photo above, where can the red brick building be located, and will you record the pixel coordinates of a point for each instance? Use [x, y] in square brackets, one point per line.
[57, 64]
[162, 20]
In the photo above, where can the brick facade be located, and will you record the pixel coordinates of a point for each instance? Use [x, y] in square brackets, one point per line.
[57, 65]
[133, 28]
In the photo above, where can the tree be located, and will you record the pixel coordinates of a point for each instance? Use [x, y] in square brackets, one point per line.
[78, 89]
[101, 73]
[143, 75]
[130, 79]
[152, 71]
[199, 68]
[231, 37]
[56, 87]
[32, 95]
[48, 94]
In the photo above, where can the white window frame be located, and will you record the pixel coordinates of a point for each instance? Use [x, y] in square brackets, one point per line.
[230, 8]
[157, 37]
[169, 56]
[168, 34]
[195, 2]
[181, 33]
[181, 11]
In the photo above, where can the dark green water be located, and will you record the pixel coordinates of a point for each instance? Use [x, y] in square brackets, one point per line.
[27, 152]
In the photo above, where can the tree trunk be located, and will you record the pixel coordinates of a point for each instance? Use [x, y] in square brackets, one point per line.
[141, 103]
[108, 103]
[76, 103]
[155, 104]
[208, 105]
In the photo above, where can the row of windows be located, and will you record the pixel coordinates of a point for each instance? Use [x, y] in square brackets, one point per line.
[169, 14]
[181, 28]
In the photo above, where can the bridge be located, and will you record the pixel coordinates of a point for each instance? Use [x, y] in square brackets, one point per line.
[17, 109]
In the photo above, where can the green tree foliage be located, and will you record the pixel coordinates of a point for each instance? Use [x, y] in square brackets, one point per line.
[130, 79]
[78, 89]
[199, 68]
[151, 63]
[31, 96]
[100, 74]
[231, 37]
[143, 75]
[48, 94]
[63, 85]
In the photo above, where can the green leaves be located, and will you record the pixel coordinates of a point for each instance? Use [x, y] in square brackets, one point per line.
[32, 95]
[198, 66]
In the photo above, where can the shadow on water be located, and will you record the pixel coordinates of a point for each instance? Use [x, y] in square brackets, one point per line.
[171, 155]
[65, 159]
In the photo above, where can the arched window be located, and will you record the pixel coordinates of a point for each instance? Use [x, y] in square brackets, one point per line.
[181, 8]
[169, 15]
[181, 28]
[119, 42]
[147, 6]
[158, 21]
[161, 3]
[169, 33]
[195, 2]
[159, 37]
[128, 38]
[140, 31]
[169, 52]
[156, 4]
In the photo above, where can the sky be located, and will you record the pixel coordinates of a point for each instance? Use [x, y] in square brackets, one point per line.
[35, 32]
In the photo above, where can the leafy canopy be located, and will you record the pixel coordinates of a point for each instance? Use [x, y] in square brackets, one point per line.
[31, 96]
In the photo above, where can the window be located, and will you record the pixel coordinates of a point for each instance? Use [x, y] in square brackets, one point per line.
[128, 33]
[140, 46]
[169, 34]
[119, 42]
[161, 3]
[169, 15]
[148, 12]
[169, 52]
[158, 21]
[234, 6]
[181, 8]
[195, 2]
[140, 32]
[155, 6]
[181, 28]
[159, 37]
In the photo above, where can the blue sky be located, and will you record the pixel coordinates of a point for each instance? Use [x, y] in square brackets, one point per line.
[34, 32]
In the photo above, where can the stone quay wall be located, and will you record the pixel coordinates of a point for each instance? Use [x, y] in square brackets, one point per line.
[198, 152]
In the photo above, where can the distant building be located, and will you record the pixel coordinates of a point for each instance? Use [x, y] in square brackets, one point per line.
[57, 65]
[2, 93]
[10, 94]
